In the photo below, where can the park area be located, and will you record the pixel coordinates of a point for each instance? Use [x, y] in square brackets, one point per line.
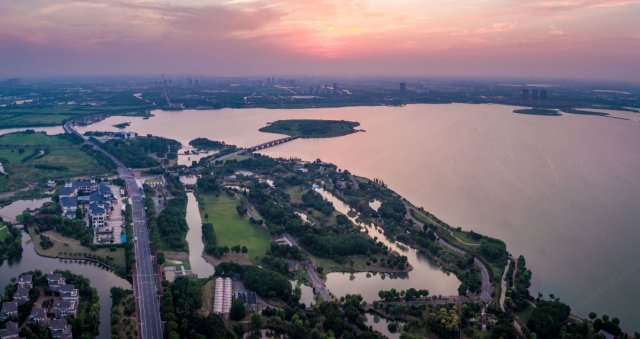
[230, 228]
[29, 157]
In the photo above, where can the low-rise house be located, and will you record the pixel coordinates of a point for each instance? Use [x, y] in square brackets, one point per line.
[68, 292]
[293, 265]
[21, 295]
[60, 329]
[9, 310]
[68, 204]
[25, 280]
[55, 280]
[98, 215]
[10, 331]
[38, 316]
[64, 308]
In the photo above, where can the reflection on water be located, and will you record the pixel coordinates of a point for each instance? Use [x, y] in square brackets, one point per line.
[538, 183]
[199, 266]
[49, 130]
[102, 280]
[306, 293]
[381, 324]
[16, 208]
[425, 273]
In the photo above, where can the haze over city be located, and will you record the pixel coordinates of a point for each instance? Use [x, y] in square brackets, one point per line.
[592, 39]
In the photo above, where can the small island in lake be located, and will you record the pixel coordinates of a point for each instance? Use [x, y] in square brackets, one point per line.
[122, 125]
[305, 128]
[538, 111]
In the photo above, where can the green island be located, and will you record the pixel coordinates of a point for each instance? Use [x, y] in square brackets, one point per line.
[538, 111]
[306, 128]
[122, 125]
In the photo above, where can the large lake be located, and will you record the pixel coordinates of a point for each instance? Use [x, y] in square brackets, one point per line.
[563, 191]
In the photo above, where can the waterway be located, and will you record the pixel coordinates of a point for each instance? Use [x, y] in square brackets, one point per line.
[101, 279]
[424, 275]
[16, 208]
[49, 130]
[199, 266]
[563, 191]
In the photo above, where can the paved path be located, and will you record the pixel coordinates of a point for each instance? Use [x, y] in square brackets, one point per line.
[145, 277]
[485, 294]
[318, 284]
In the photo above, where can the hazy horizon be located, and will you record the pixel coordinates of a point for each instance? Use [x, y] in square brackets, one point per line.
[570, 39]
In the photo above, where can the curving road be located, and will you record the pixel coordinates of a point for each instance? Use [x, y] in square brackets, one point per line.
[145, 278]
[485, 294]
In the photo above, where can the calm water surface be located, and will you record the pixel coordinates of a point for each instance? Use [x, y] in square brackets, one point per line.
[199, 266]
[101, 279]
[563, 191]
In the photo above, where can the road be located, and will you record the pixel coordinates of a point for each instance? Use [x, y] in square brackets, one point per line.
[485, 293]
[318, 285]
[145, 277]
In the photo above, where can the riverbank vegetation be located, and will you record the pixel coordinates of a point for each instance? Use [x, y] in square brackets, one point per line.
[56, 237]
[168, 228]
[306, 128]
[10, 240]
[143, 152]
[33, 157]
[123, 320]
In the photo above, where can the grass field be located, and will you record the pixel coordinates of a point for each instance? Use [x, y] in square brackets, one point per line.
[230, 228]
[26, 166]
[55, 115]
[4, 232]
[71, 248]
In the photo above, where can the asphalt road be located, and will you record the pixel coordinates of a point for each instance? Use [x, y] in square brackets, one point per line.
[485, 294]
[145, 278]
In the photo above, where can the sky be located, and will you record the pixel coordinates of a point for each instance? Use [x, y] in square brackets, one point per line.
[592, 39]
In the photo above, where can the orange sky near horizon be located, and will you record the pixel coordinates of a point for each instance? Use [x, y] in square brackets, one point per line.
[581, 38]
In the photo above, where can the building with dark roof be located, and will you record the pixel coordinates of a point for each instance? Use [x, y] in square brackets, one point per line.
[10, 331]
[60, 329]
[55, 280]
[25, 280]
[9, 310]
[68, 292]
[21, 295]
[38, 316]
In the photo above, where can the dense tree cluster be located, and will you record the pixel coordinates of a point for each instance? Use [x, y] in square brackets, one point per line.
[180, 303]
[204, 143]
[264, 282]
[136, 152]
[170, 226]
[548, 317]
[518, 296]
[313, 199]
[12, 244]
[407, 295]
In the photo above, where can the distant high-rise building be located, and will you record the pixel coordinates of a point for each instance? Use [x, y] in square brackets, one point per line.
[534, 94]
[525, 93]
[543, 94]
[403, 86]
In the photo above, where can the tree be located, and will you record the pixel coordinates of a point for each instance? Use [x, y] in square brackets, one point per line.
[237, 311]
[256, 322]
[592, 315]
[547, 319]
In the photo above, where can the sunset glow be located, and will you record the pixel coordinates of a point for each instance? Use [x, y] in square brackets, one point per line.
[539, 38]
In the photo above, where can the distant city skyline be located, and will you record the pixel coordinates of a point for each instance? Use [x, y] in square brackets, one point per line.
[579, 39]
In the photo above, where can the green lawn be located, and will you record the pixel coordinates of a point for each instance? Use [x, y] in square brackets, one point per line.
[56, 115]
[230, 228]
[26, 166]
[71, 248]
